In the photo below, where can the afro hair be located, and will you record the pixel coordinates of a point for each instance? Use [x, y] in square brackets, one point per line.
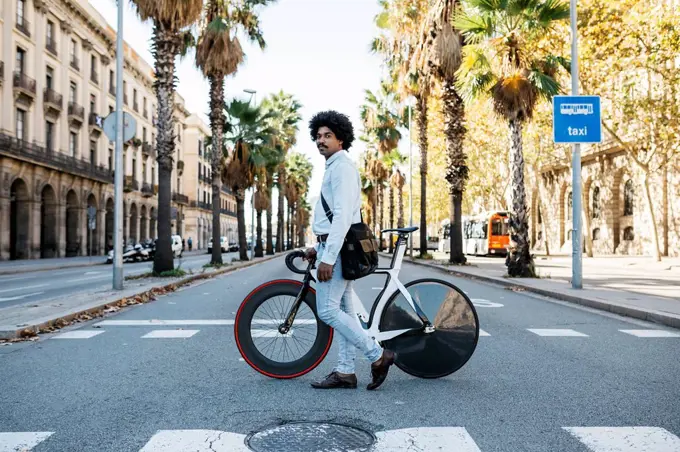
[339, 124]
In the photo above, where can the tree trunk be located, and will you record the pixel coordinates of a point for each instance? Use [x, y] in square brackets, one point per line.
[456, 167]
[270, 233]
[652, 218]
[216, 125]
[664, 210]
[165, 50]
[280, 213]
[259, 252]
[519, 260]
[422, 138]
[544, 219]
[587, 233]
[301, 236]
[240, 196]
[400, 210]
[381, 209]
[374, 208]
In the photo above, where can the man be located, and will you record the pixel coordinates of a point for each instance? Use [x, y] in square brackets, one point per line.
[333, 133]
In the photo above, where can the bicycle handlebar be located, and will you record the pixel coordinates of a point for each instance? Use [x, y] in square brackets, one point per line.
[289, 261]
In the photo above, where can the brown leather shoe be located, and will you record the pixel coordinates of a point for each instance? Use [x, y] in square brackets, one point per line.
[380, 368]
[335, 380]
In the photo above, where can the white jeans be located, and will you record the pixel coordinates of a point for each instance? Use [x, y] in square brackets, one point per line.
[334, 305]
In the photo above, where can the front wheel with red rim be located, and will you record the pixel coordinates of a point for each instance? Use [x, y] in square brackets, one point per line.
[263, 346]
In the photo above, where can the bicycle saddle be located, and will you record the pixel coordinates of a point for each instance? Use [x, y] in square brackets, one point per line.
[401, 230]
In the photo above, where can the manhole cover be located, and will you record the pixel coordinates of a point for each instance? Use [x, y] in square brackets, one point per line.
[311, 437]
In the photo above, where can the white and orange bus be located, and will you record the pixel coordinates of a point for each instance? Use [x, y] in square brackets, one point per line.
[487, 233]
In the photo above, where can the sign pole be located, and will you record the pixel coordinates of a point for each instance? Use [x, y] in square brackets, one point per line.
[118, 174]
[576, 235]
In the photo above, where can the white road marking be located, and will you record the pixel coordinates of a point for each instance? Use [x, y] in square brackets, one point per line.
[21, 441]
[23, 288]
[425, 438]
[84, 334]
[270, 333]
[170, 334]
[377, 288]
[88, 279]
[280, 321]
[482, 303]
[626, 439]
[163, 322]
[483, 333]
[19, 297]
[556, 332]
[16, 279]
[92, 273]
[195, 441]
[651, 333]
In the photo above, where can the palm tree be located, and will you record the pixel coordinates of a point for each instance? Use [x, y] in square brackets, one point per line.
[502, 62]
[170, 20]
[401, 23]
[299, 173]
[246, 127]
[397, 181]
[218, 54]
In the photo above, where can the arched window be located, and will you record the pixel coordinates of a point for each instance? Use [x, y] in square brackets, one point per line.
[628, 198]
[596, 203]
[570, 206]
[628, 233]
[596, 234]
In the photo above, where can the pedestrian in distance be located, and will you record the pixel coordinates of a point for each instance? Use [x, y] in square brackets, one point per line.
[341, 191]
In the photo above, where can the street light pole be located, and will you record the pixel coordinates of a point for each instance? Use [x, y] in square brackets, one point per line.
[253, 93]
[576, 234]
[118, 173]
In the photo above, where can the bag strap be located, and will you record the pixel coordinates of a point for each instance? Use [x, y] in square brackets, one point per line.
[329, 214]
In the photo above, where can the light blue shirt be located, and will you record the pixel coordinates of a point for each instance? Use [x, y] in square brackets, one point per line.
[341, 188]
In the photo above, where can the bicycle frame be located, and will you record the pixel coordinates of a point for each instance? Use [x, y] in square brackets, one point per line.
[370, 322]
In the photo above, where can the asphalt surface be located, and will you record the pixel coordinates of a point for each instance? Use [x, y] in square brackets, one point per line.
[36, 286]
[520, 391]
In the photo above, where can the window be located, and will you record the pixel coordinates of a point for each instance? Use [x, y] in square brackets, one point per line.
[74, 58]
[570, 206]
[125, 92]
[49, 77]
[112, 82]
[21, 60]
[110, 159]
[73, 144]
[21, 11]
[93, 152]
[21, 124]
[49, 33]
[628, 234]
[596, 234]
[93, 68]
[93, 103]
[49, 135]
[144, 134]
[134, 169]
[153, 175]
[596, 203]
[134, 98]
[72, 92]
[628, 198]
[144, 172]
[144, 105]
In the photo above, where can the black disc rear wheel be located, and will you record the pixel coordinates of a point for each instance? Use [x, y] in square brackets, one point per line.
[263, 346]
[456, 329]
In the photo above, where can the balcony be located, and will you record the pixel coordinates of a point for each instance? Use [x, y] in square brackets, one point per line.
[24, 88]
[75, 63]
[95, 123]
[179, 198]
[148, 150]
[51, 46]
[228, 212]
[53, 102]
[76, 114]
[226, 189]
[204, 205]
[147, 190]
[23, 26]
[130, 184]
[28, 152]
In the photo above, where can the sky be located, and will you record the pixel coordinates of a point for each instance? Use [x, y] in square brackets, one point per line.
[317, 50]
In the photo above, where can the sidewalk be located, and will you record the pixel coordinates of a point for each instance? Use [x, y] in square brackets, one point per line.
[34, 265]
[27, 320]
[635, 287]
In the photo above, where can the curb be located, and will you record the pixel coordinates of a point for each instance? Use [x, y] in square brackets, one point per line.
[16, 271]
[29, 332]
[660, 317]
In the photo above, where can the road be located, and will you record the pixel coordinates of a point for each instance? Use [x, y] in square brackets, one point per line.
[546, 376]
[34, 287]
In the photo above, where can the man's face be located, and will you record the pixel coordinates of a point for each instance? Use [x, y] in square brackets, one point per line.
[327, 142]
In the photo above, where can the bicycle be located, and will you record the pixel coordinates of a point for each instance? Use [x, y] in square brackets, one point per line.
[401, 322]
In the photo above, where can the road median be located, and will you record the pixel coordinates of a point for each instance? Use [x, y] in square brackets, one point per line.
[26, 322]
[653, 309]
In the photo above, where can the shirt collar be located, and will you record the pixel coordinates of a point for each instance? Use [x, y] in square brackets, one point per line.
[334, 157]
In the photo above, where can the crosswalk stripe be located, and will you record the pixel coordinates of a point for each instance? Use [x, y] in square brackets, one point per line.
[195, 441]
[650, 333]
[626, 439]
[20, 441]
[80, 334]
[169, 334]
[425, 438]
[164, 322]
[556, 332]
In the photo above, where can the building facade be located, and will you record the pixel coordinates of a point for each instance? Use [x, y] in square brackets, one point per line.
[57, 84]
